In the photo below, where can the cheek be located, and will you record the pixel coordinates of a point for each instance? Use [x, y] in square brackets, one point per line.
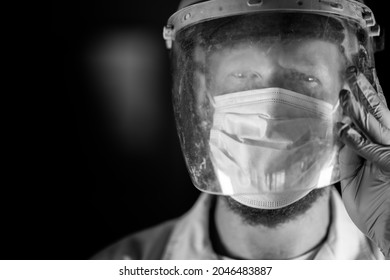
[334, 83]
[336, 71]
[331, 88]
[336, 88]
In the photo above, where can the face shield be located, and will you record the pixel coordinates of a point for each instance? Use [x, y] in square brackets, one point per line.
[256, 87]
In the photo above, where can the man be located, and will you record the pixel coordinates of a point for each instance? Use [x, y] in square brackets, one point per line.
[275, 101]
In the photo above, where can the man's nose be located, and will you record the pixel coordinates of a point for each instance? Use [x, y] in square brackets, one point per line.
[276, 79]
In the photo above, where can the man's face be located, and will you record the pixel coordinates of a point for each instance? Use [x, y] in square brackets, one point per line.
[309, 67]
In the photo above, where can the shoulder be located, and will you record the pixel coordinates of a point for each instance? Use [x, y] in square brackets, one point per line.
[147, 244]
[171, 239]
[345, 240]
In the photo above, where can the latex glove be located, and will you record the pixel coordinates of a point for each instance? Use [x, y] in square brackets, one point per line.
[365, 159]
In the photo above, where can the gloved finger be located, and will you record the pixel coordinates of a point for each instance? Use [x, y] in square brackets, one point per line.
[377, 154]
[366, 94]
[350, 164]
[373, 129]
[347, 157]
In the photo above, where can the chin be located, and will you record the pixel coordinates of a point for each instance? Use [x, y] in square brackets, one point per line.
[273, 218]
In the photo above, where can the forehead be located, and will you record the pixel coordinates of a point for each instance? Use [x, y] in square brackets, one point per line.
[271, 29]
[309, 52]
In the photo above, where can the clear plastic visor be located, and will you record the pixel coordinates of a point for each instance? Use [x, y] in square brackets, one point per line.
[256, 100]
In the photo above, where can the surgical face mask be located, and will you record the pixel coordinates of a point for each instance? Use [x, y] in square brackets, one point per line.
[273, 142]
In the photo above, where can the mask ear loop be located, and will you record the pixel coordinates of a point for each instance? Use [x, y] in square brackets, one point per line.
[210, 98]
[335, 111]
[338, 116]
[335, 107]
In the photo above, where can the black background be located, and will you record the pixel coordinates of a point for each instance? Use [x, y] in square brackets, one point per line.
[69, 192]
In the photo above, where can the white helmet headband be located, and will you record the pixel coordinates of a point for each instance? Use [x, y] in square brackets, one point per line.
[213, 9]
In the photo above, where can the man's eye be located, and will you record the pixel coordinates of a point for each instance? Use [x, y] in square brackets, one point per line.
[304, 79]
[310, 79]
[246, 75]
[239, 75]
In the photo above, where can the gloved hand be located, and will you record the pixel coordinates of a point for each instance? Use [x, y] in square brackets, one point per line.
[365, 159]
